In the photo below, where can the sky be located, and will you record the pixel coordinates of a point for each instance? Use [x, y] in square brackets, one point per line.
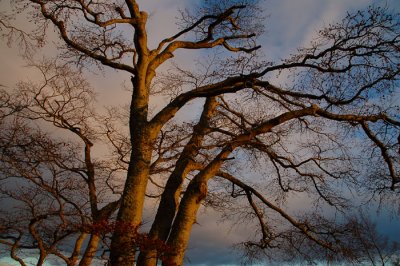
[290, 24]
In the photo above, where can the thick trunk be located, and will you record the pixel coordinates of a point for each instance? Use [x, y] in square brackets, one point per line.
[123, 248]
[186, 216]
[90, 251]
[129, 218]
[170, 197]
[164, 218]
[130, 213]
[184, 221]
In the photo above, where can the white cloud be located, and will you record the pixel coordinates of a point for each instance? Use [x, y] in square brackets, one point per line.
[292, 24]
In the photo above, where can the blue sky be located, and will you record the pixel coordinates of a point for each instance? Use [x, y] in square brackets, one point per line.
[290, 24]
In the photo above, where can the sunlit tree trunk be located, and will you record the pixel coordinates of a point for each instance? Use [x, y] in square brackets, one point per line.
[170, 198]
[123, 249]
[77, 248]
[90, 251]
[130, 212]
[190, 203]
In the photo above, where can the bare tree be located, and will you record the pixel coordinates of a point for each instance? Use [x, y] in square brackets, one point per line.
[54, 185]
[302, 137]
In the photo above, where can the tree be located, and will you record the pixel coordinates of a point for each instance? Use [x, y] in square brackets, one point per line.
[336, 99]
[44, 175]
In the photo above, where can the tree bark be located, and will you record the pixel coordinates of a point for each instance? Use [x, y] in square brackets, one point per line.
[77, 249]
[130, 213]
[187, 213]
[90, 251]
[123, 249]
[170, 198]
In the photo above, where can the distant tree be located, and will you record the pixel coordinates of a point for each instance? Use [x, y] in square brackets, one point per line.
[46, 179]
[330, 129]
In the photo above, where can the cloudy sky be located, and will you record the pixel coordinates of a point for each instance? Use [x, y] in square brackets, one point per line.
[290, 24]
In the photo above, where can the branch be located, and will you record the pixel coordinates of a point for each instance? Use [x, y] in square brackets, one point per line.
[209, 41]
[384, 153]
[229, 85]
[304, 228]
[95, 16]
[356, 118]
[219, 19]
[60, 25]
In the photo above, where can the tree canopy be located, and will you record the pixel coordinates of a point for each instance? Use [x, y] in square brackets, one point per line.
[329, 134]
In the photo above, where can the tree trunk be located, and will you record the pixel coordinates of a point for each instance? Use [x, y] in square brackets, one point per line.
[186, 216]
[130, 213]
[90, 251]
[170, 198]
[184, 221]
[77, 248]
[129, 218]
